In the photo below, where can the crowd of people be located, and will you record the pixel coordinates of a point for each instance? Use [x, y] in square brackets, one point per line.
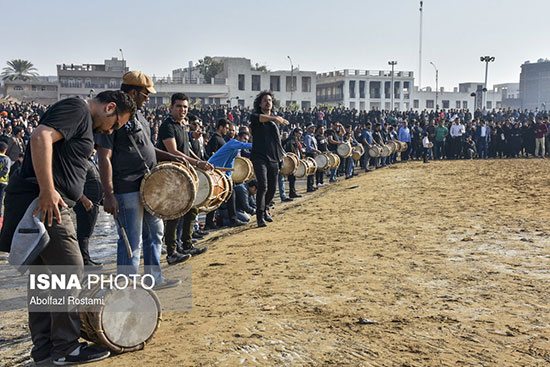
[97, 153]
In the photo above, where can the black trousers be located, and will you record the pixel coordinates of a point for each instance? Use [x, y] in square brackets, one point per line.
[310, 182]
[319, 176]
[171, 228]
[292, 184]
[266, 176]
[85, 223]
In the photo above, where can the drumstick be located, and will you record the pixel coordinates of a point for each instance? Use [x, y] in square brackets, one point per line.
[224, 169]
[125, 238]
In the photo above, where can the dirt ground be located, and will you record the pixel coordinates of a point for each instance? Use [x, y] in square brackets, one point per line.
[448, 261]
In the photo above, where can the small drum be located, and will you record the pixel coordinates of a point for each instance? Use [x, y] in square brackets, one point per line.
[214, 188]
[358, 152]
[312, 166]
[242, 170]
[323, 162]
[430, 145]
[375, 151]
[393, 146]
[344, 150]
[169, 190]
[386, 151]
[290, 164]
[125, 322]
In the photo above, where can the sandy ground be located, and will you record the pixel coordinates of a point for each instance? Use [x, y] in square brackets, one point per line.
[450, 261]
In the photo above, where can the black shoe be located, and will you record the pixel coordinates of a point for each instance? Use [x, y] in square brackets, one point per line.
[167, 283]
[210, 226]
[202, 233]
[267, 216]
[295, 196]
[271, 204]
[86, 353]
[286, 200]
[261, 222]
[236, 223]
[196, 235]
[193, 251]
[177, 258]
[93, 265]
[311, 189]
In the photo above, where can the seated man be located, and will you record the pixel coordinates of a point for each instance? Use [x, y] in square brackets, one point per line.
[245, 202]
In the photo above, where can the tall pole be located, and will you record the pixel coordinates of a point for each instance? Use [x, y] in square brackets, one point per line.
[420, 51]
[436, 85]
[121, 54]
[392, 88]
[486, 60]
[291, 80]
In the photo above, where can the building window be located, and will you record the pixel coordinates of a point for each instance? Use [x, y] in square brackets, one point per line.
[362, 90]
[241, 81]
[256, 83]
[396, 106]
[306, 105]
[387, 106]
[79, 83]
[290, 84]
[416, 103]
[464, 104]
[457, 104]
[429, 103]
[396, 87]
[374, 89]
[352, 105]
[87, 83]
[306, 84]
[33, 88]
[43, 89]
[275, 83]
[489, 105]
[445, 104]
[241, 102]
[17, 87]
[352, 89]
[112, 83]
[71, 83]
[387, 87]
[406, 91]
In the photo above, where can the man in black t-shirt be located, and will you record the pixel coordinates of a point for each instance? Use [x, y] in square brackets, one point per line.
[54, 170]
[216, 140]
[174, 138]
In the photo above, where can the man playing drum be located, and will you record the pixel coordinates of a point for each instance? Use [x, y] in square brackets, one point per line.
[293, 145]
[55, 173]
[174, 138]
[311, 151]
[122, 168]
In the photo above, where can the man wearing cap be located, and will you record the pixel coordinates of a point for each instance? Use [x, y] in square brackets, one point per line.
[311, 151]
[122, 169]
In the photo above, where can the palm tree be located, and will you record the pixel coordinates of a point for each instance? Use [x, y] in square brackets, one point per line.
[19, 69]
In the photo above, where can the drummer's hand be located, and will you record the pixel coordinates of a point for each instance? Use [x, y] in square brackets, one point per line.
[280, 120]
[177, 158]
[110, 204]
[204, 165]
[49, 202]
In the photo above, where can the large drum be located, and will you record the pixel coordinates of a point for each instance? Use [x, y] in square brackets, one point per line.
[393, 146]
[312, 166]
[242, 170]
[375, 151]
[344, 150]
[402, 146]
[322, 161]
[386, 151]
[304, 167]
[125, 322]
[214, 188]
[290, 164]
[358, 152]
[334, 160]
[169, 190]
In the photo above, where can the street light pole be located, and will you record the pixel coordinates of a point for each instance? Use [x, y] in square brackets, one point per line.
[486, 60]
[392, 91]
[291, 80]
[436, 85]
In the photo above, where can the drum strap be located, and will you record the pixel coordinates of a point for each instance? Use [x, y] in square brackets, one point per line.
[132, 140]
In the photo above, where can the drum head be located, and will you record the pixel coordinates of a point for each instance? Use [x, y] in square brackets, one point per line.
[302, 169]
[130, 316]
[204, 189]
[344, 150]
[321, 160]
[241, 170]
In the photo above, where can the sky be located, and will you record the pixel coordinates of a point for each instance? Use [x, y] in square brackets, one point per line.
[159, 36]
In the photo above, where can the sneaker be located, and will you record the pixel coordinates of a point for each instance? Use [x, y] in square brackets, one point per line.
[84, 353]
[261, 222]
[267, 216]
[192, 251]
[286, 200]
[167, 283]
[236, 223]
[44, 362]
[177, 258]
[295, 196]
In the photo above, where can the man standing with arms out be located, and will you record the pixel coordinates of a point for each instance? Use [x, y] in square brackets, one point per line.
[441, 133]
[267, 152]
[540, 135]
[174, 138]
[124, 158]
[54, 171]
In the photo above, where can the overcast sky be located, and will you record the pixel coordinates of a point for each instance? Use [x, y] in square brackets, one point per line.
[159, 36]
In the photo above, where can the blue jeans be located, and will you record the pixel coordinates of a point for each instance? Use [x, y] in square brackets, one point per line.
[282, 193]
[143, 231]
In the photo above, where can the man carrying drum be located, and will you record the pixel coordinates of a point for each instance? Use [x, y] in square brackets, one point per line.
[293, 145]
[124, 158]
[322, 145]
[311, 151]
[174, 138]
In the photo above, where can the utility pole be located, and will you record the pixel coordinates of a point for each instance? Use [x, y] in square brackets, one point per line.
[291, 80]
[420, 50]
[436, 85]
[392, 88]
[486, 60]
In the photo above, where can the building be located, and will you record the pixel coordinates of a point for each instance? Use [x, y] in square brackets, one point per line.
[90, 79]
[365, 89]
[466, 95]
[40, 89]
[534, 85]
[238, 84]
